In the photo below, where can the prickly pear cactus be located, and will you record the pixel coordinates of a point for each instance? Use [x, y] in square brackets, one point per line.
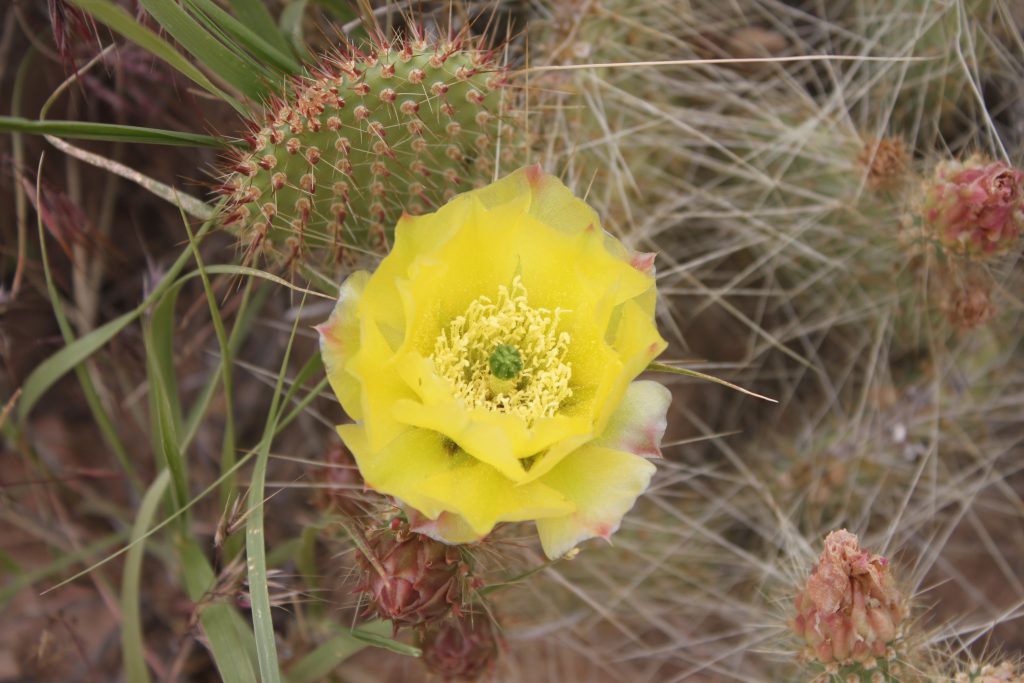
[363, 139]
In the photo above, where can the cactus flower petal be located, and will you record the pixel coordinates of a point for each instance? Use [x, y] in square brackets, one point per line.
[339, 338]
[490, 362]
[603, 484]
[640, 420]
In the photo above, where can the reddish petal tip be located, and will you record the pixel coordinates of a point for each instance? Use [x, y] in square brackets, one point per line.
[643, 261]
[534, 175]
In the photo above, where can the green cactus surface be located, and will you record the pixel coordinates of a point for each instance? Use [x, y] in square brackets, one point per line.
[364, 138]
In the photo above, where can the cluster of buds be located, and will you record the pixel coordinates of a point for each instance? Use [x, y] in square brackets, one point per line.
[367, 136]
[461, 648]
[411, 579]
[849, 611]
[974, 207]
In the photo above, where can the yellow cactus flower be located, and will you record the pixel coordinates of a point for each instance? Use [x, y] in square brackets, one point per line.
[489, 365]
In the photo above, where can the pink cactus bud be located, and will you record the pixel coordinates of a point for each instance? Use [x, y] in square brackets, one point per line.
[976, 206]
[849, 609]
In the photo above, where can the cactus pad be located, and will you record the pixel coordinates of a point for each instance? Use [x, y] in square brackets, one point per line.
[364, 138]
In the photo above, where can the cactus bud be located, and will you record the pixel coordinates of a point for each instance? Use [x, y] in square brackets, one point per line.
[411, 579]
[885, 163]
[849, 611]
[968, 304]
[975, 207]
[460, 648]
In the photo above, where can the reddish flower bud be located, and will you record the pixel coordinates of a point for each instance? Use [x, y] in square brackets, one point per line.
[975, 206]
[461, 648]
[411, 579]
[849, 609]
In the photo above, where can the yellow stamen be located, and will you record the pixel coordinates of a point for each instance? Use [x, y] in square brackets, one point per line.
[507, 335]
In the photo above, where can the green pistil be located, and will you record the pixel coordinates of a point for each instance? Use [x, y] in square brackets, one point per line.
[505, 362]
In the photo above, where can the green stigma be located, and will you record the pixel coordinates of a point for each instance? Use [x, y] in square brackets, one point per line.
[505, 362]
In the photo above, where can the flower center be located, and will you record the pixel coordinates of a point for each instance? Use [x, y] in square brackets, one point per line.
[506, 356]
[505, 362]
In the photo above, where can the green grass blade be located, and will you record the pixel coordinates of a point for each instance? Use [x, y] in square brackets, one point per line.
[262, 622]
[118, 20]
[316, 665]
[315, 364]
[219, 21]
[291, 25]
[109, 132]
[250, 307]
[255, 549]
[227, 453]
[170, 518]
[163, 433]
[254, 13]
[244, 75]
[341, 10]
[256, 272]
[62, 362]
[161, 321]
[385, 642]
[230, 640]
[92, 397]
[24, 579]
[132, 645]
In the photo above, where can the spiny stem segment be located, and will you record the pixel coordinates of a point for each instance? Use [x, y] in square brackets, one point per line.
[364, 138]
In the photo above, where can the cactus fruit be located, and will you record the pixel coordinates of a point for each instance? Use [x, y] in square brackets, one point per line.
[849, 611]
[362, 139]
[410, 578]
[974, 207]
[460, 648]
